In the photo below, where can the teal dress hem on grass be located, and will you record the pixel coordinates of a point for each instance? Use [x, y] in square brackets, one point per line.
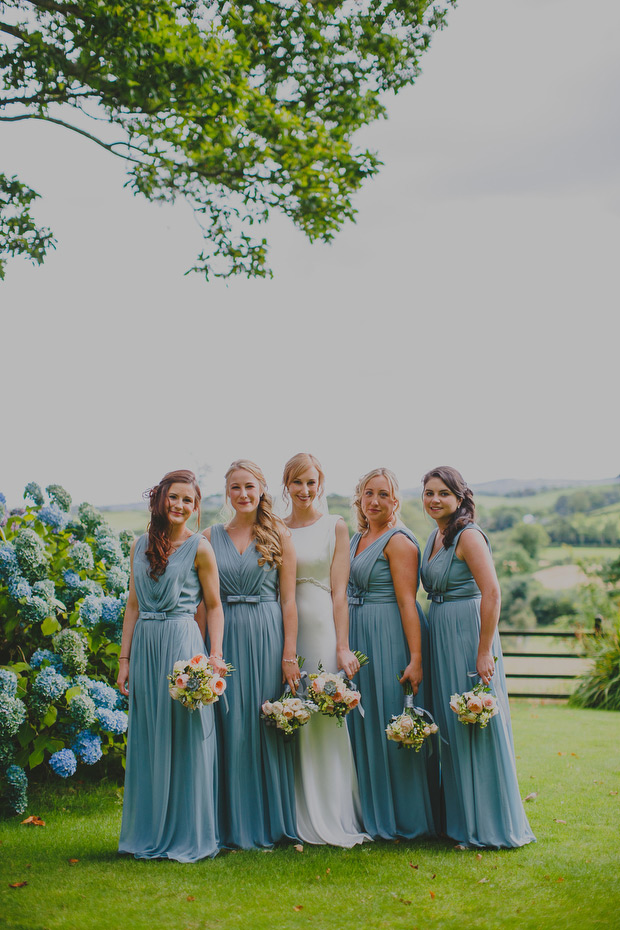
[481, 799]
[170, 789]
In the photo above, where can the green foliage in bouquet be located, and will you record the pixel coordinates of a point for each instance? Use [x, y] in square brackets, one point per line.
[63, 588]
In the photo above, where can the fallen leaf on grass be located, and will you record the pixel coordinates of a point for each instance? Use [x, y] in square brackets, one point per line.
[414, 866]
[613, 792]
[531, 796]
[298, 907]
[432, 894]
[298, 847]
[35, 821]
[575, 755]
[404, 902]
[478, 855]
[434, 876]
[482, 881]
[558, 821]
[327, 871]
[560, 754]
[17, 884]
[560, 879]
[73, 861]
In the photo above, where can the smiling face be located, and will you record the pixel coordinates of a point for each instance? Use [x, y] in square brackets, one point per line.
[439, 501]
[180, 503]
[243, 490]
[377, 501]
[304, 488]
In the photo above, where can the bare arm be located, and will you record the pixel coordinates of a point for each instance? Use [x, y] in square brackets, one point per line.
[339, 577]
[129, 622]
[403, 558]
[287, 576]
[473, 549]
[213, 614]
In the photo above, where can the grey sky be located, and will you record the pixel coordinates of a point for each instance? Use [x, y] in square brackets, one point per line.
[469, 317]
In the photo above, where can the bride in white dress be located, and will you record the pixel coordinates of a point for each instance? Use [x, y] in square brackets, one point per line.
[326, 793]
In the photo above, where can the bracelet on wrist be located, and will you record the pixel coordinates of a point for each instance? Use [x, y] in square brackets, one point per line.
[123, 657]
[216, 655]
[290, 661]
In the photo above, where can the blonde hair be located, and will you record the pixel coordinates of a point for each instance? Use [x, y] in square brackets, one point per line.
[268, 527]
[362, 522]
[296, 466]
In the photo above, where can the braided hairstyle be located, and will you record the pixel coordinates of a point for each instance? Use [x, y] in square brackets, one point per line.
[466, 511]
[268, 528]
[159, 548]
[390, 477]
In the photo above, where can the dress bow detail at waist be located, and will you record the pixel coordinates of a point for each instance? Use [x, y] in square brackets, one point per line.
[152, 615]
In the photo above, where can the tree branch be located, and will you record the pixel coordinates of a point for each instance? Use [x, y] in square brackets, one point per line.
[52, 7]
[108, 146]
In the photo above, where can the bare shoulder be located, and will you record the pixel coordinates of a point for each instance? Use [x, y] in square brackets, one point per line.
[342, 530]
[400, 544]
[471, 543]
[207, 533]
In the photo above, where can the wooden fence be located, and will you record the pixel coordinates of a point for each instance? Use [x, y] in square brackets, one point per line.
[551, 667]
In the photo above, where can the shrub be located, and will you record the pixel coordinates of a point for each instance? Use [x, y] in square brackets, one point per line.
[63, 588]
[600, 686]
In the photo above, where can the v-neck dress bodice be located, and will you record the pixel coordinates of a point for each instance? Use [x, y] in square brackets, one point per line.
[256, 787]
[393, 783]
[481, 798]
[169, 801]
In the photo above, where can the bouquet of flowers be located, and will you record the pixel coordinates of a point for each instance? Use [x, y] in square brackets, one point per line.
[332, 693]
[475, 706]
[411, 728]
[194, 682]
[288, 713]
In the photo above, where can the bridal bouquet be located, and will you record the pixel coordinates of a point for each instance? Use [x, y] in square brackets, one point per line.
[288, 713]
[411, 728]
[194, 682]
[475, 706]
[333, 693]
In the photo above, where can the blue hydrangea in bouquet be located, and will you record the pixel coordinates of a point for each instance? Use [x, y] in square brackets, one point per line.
[413, 727]
[333, 693]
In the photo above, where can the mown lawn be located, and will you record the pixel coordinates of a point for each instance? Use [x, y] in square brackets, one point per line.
[569, 759]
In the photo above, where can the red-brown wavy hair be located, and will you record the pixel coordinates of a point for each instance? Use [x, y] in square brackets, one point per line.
[159, 548]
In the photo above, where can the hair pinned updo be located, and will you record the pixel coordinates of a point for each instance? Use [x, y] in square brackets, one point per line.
[466, 511]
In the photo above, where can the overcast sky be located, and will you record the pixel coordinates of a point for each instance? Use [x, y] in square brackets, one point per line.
[469, 317]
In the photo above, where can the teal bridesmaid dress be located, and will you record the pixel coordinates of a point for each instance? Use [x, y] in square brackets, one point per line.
[393, 782]
[256, 782]
[481, 799]
[169, 803]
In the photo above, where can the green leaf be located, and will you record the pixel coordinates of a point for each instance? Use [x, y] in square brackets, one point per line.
[50, 626]
[36, 758]
[72, 692]
[50, 717]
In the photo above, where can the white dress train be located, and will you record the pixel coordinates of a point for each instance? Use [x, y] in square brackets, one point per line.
[326, 792]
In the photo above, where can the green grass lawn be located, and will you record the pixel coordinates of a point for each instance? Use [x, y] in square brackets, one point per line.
[569, 879]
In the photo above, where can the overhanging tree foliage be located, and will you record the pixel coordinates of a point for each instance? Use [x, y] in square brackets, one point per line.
[240, 108]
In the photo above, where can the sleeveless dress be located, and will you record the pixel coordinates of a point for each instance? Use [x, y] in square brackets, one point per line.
[326, 793]
[482, 802]
[393, 782]
[169, 802]
[256, 780]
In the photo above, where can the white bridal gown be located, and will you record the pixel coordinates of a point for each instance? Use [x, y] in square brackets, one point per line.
[326, 793]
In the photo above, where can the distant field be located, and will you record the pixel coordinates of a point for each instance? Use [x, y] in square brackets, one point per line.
[569, 554]
[134, 520]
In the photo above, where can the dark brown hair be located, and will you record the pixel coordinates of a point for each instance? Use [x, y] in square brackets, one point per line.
[466, 511]
[159, 547]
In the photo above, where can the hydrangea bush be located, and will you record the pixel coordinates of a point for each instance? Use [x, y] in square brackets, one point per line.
[63, 586]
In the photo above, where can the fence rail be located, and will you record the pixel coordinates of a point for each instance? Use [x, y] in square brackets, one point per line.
[547, 676]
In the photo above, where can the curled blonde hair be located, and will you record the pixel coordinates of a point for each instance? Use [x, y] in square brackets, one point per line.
[268, 527]
[388, 474]
[296, 466]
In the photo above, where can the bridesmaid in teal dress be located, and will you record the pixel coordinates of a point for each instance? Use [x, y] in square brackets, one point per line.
[386, 624]
[169, 803]
[256, 561]
[481, 799]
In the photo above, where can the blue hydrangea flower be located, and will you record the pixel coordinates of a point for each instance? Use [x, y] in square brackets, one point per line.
[34, 492]
[71, 647]
[82, 556]
[42, 655]
[90, 611]
[17, 783]
[71, 578]
[4, 510]
[18, 588]
[102, 694]
[63, 763]
[53, 516]
[89, 517]
[31, 554]
[8, 682]
[8, 561]
[87, 747]
[111, 610]
[59, 496]
[116, 580]
[49, 685]
[108, 548]
[12, 715]
[82, 711]
[115, 721]
[45, 589]
[36, 610]
[7, 753]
